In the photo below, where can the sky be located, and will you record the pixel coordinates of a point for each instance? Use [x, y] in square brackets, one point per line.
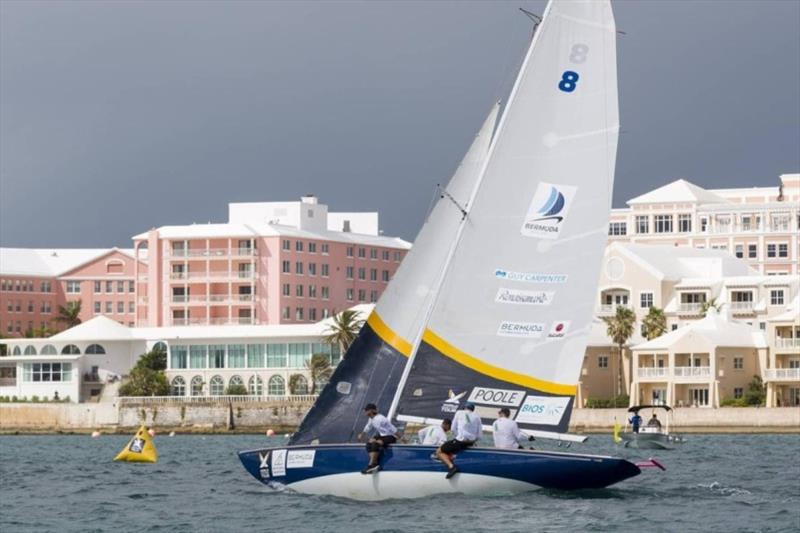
[116, 117]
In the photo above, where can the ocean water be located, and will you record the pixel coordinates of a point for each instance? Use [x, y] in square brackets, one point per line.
[69, 483]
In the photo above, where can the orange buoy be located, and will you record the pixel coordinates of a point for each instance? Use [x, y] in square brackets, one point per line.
[270, 433]
[151, 432]
[95, 434]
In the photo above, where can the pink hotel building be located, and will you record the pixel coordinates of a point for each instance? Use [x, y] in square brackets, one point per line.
[271, 263]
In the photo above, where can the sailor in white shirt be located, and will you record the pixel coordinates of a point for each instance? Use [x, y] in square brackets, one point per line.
[467, 428]
[434, 435]
[385, 434]
[506, 432]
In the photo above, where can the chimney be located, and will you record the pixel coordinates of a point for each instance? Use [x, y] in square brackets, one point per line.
[309, 199]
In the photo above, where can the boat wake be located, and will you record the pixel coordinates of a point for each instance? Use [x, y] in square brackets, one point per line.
[718, 488]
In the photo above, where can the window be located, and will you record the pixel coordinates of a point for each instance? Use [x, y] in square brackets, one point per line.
[298, 246]
[120, 286]
[177, 387]
[325, 293]
[131, 307]
[300, 385]
[236, 356]
[738, 363]
[312, 247]
[385, 255]
[739, 251]
[48, 349]
[385, 276]
[131, 286]
[298, 268]
[312, 315]
[197, 356]
[286, 267]
[255, 356]
[348, 272]
[324, 249]
[120, 307]
[298, 313]
[312, 291]
[285, 313]
[70, 349]
[397, 256]
[776, 297]
[674, 327]
[197, 386]
[325, 270]
[349, 251]
[287, 289]
[663, 223]
[642, 224]
[312, 269]
[45, 286]
[362, 273]
[349, 295]
[109, 287]
[73, 287]
[276, 386]
[362, 295]
[646, 300]
[684, 223]
[276, 356]
[216, 386]
[95, 349]
[373, 296]
[772, 250]
[373, 274]
[30, 350]
[752, 251]
[38, 372]
[109, 307]
[46, 308]
[298, 291]
[255, 385]
[299, 353]
[287, 245]
[30, 306]
[738, 392]
[98, 287]
[178, 357]
[373, 253]
[783, 250]
[362, 253]
[618, 228]
[602, 361]
[216, 356]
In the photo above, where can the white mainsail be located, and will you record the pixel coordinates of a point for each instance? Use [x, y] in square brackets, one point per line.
[513, 307]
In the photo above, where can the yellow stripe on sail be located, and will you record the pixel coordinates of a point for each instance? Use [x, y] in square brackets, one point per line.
[502, 374]
[388, 336]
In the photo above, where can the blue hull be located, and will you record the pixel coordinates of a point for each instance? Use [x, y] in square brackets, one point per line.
[408, 470]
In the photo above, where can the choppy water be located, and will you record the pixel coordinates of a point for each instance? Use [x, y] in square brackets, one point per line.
[69, 483]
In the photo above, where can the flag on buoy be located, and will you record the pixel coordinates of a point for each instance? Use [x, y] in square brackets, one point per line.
[140, 449]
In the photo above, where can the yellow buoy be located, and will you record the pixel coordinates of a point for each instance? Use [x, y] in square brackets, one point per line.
[617, 430]
[140, 449]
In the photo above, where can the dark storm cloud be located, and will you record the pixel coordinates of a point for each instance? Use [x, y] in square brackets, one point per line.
[116, 117]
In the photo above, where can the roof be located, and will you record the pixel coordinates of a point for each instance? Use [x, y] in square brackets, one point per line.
[49, 261]
[714, 328]
[678, 191]
[198, 231]
[99, 328]
[680, 262]
[792, 313]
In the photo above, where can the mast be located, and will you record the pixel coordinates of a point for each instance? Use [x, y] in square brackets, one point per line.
[454, 245]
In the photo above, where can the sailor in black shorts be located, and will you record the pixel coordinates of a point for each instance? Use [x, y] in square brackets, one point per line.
[385, 435]
[467, 428]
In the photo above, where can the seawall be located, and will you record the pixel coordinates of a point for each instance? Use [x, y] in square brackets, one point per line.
[252, 417]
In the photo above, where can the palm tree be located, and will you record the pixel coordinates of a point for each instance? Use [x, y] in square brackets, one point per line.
[620, 328]
[710, 304]
[654, 324]
[319, 366]
[343, 329]
[70, 314]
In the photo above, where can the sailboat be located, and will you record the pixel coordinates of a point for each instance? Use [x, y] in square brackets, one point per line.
[493, 304]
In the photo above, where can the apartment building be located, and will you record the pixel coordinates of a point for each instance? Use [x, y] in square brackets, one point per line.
[271, 263]
[705, 357]
[35, 282]
[758, 224]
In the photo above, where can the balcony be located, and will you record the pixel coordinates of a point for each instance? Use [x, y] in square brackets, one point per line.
[692, 372]
[212, 253]
[742, 308]
[782, 374]
[222, 275]
[692, 308]
[784, 343]
[611, 309]
[652, 372]
[213, 299]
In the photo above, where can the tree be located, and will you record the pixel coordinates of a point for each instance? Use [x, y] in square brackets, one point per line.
[236, 389]
[620, 328]
[38, 333]
[70, 314]
[654, 323]
[319, 366]
[344, 329]
[147, 378]
[154, 360]
[755, 394]
[710, 304]
[295, 382]
[3, 347]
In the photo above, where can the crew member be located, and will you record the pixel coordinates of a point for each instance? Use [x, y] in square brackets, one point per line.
[506, 432]
[654, 422]
[385, 434]
[636, 421]
[467, 428]
[434, 435]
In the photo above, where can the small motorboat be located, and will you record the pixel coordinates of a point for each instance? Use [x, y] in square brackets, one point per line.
[652, 434]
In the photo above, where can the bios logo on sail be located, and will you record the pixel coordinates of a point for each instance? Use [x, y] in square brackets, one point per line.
[547, 210]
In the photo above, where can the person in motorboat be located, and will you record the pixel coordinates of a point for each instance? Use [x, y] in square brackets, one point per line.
[654, 422]
[467, 428]
[506, 432]
[385, 434]
[434, 435]
[636, 421]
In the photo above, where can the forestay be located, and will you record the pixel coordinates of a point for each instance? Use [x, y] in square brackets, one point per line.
[370, 370]
[511, 318]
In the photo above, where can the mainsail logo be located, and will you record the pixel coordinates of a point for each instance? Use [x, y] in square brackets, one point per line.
[547, 211]
[512, 296]
[520, 329]
[546, 410]
[559, 329]
[529, 277]
[451, 404]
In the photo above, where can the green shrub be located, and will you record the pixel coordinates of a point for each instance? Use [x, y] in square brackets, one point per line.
[733, 402]
[603, 403]
[13, 398]
[236, 390]
[35, 399]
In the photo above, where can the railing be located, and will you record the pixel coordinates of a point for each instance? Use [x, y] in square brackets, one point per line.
[652, 372]
[295, 398]
[787, 342]
[222, 274]
[8, 382]
[692, 372]
[741, 307]
[213, 252]
[694, 307]
[214, 321]
[612, 308]
[786, 374]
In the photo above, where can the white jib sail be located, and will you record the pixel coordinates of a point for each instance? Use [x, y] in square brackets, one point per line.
[512, 313]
